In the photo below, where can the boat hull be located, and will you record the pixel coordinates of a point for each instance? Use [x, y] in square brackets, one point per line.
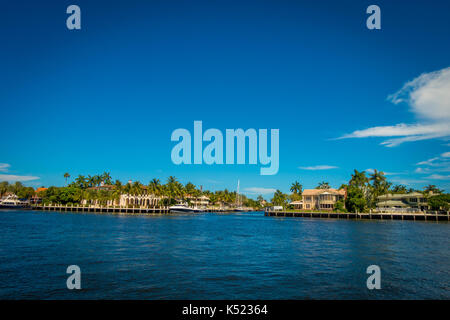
[9, 207]
[184, 210]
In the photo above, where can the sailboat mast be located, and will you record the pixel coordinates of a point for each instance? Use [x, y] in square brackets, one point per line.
[237, 195]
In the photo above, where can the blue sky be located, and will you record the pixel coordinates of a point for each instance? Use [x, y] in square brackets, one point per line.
[108, 96]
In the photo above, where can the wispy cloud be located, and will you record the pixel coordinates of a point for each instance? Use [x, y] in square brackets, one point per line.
[385, 173]
[436, 164]
[428, 97]
[13, 178]
[258, 190]
[4, 167]
[427, 162]
[319, 167]
[439, 177]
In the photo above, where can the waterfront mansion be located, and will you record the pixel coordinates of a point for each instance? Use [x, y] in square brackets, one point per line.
[403, 201]
[320, 199]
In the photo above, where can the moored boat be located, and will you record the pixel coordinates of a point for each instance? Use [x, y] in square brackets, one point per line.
[13, 202]
[182, 208]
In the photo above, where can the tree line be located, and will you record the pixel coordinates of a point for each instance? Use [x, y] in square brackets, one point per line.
[362, 192]
[102, 189]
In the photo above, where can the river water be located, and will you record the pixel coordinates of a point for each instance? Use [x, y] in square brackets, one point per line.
[219, 256]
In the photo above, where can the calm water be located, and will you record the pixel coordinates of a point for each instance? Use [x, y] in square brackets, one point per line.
[219, 256]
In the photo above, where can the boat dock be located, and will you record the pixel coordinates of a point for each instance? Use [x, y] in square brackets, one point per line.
[419, 216]
[111, 209]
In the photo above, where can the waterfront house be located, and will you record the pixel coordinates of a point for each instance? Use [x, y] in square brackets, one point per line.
[142, 200]
[202, 201]
[403, 201]
[297, 204]
[320, 199]
[37, 198]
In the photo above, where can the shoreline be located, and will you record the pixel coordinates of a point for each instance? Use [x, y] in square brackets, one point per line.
[431, 217]
[363, 216]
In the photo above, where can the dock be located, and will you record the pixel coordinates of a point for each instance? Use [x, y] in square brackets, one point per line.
[113, 209]
[419, 216]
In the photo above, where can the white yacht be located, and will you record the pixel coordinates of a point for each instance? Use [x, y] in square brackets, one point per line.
[13, 202]
[183, 208]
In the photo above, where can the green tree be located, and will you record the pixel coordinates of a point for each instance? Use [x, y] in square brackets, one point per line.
[297, 188]
[399, 188]
[25, 193]
[279, 198]
[323, 185]
[359, 179]
[356, 200]
[439, 202]
[340, 206]
[4, 187]
[379, 186]
[431, 188]
[81, 182]
[106, 178]
[155, 187]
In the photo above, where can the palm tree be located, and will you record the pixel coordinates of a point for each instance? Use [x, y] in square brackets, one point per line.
[359, 179]
[377, 177]
[431, 188]
[279, 198]
[118, 188]
[296, 188]
[81, 181]
[155, 187]
[172, 188]
[66, 176]
[323, 185]
[399, 188]
[380, 186]
[127, 188]
[136, 188]
[106, 178]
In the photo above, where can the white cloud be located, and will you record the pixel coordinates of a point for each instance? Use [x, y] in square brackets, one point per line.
[319, 167]
[428, 97]
[427, 162]
[258, 190]
[422, 170]
[408, 181]
[4, 167]
[13, 178]
[439, 177]
[437, 164]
